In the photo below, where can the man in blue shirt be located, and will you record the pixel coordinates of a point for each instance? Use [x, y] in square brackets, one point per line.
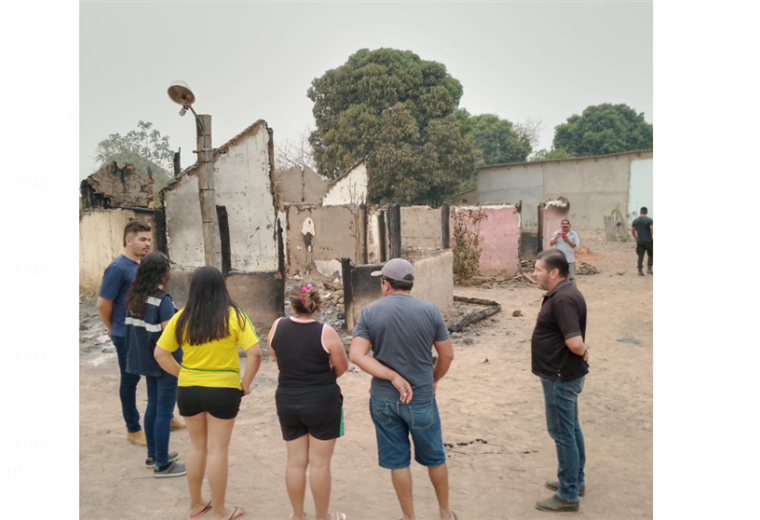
[117, 280]
[566, 241]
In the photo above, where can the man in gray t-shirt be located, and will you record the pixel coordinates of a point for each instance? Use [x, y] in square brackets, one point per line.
[401, 332]
[642, 230]
[566, 240]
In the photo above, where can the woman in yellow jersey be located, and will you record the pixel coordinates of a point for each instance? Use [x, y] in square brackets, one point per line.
[311, 357]
[209, 329]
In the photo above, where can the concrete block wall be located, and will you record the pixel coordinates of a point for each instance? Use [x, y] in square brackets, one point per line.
[319, 236]
[300, 185]
[595, 185]
[512, 184]
[260, 295]
[433, 282]
[421, 227]
[500, 236]
[101, 239]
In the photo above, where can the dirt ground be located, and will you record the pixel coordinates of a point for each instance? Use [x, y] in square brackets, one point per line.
[489, 394]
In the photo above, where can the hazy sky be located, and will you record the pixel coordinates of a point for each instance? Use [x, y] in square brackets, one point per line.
[250, 61]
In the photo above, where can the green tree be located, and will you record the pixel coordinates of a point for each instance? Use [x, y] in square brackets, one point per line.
[498, 141]
[603, 129]
[549, 155]
[399, 113]
[145, 148]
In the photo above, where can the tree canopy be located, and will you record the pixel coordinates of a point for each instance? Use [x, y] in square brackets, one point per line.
[399, 113]
[145, 148]
[549, 155]
[604, 129]
[498, 141]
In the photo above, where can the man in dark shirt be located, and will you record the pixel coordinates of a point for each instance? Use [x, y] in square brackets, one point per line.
[643, 232]
[559, 357]
[117, 280]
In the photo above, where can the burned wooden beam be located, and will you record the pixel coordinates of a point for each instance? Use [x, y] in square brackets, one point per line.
[477, 301]
[474, 317]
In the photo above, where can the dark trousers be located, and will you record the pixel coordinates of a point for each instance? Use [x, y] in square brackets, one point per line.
[127, 388]
[162, 396]
[641, 247]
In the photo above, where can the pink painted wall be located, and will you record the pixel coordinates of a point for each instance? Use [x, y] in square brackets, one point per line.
[500, 238]
[554, 213]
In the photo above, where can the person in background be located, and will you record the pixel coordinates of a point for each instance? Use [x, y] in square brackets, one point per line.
[209, 330]
[566, 241]
[642, 230]
[149, 309]
[310, 356]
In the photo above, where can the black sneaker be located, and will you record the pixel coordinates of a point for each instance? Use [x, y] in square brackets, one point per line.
[150, 462]
[171, 470]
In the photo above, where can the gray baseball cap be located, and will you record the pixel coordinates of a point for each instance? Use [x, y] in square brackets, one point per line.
[397, 269]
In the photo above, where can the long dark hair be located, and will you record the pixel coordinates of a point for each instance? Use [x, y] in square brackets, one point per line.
[152, 272]
[206, 316]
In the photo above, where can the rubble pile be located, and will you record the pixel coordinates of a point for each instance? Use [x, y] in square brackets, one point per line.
[585, 269]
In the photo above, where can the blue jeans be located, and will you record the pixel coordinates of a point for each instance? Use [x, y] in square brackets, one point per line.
[393, 424]
[162, 396]
[561, 398]
[127, 388]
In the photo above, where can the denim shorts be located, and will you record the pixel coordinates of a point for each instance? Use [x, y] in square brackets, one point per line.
[393, 424]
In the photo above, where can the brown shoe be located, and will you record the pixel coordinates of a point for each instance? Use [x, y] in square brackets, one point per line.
[556, 505]
[177, 424]
[137, 438]
[553, 485]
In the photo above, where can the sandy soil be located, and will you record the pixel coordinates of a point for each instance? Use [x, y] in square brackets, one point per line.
[489, 394]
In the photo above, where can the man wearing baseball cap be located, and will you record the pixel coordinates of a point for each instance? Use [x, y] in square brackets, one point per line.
[400, 330]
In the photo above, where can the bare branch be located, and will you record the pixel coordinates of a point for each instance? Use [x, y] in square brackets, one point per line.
[530, 129]
[292, 153]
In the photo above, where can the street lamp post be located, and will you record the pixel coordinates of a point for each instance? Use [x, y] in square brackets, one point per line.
[181, 94]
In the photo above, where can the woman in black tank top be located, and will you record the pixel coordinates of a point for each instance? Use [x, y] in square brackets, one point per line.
[310, 356]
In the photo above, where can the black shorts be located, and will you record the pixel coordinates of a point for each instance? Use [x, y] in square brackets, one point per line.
[222, 403]
[321, 420]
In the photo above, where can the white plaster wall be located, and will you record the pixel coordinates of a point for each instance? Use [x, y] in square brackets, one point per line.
[184, 225]
[351, 189]
[374, 247]
[243, 186]
[641, 192]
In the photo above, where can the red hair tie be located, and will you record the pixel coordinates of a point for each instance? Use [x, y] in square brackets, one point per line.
[303, 291]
